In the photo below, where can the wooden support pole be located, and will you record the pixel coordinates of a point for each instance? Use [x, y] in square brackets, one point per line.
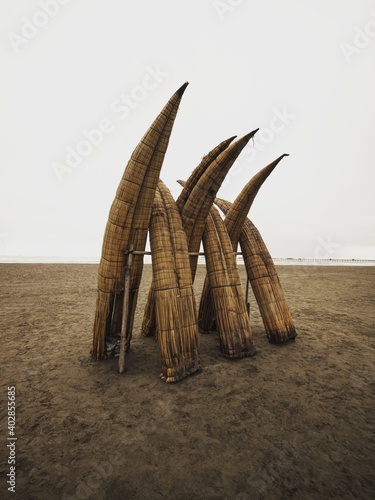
[125, 312]
[139, 252]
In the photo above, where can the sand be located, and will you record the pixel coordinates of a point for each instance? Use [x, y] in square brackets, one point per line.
[295, 421]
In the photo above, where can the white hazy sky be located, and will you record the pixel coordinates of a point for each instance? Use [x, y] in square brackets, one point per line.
[303, 71]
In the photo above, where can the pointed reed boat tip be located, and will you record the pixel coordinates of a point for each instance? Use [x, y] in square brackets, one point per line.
[250, 135]
[253, 132]
[182, 89]
[181, 182]
[229, 141]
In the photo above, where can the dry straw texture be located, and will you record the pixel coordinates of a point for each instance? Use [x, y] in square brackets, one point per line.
[197, 206]
[232, 320]
[199, 170]
[240, 208]
[206, 311]
[265, 282]
[175, 309]
[148, 324]
[128, 222]
[234, 221]
[195, 202]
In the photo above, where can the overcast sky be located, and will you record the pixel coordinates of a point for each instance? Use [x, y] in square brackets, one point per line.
[83, 79]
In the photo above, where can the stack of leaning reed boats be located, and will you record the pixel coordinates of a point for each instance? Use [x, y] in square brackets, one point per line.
[144, 205]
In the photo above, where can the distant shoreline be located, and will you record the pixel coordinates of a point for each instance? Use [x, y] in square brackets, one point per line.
[277, 260]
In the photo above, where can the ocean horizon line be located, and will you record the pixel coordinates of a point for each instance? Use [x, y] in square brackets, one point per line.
[277, 260]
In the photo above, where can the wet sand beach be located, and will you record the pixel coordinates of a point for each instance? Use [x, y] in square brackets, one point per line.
[295, 421]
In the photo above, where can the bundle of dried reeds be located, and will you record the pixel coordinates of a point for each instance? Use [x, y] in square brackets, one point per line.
[195, 202]
[232, 320]
[234, 220]
[264, 281]
[175, 310]
[127, 225]
[239, 209]
[206, 310]
[199, 170]
[198, 204]
[148, 323]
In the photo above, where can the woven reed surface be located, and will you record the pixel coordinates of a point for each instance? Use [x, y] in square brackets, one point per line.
[195, 202]
[232, 320]
[206, 310]
[199, 170]
[175, 308]
[148, 321]
[264, 281]
[239, 209]
[127, 225]
[200, 200]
